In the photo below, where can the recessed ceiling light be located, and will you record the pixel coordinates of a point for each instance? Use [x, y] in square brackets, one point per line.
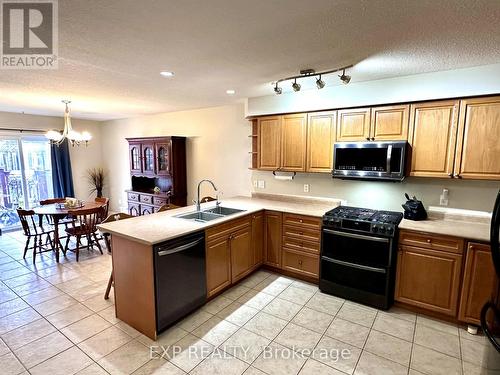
[167, 74]
[230, 92]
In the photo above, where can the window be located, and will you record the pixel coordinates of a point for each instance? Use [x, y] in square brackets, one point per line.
[25, 176]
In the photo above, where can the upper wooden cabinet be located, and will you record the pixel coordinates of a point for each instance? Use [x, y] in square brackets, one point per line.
[320, 140]
[162, 152]
[269, 134]
[134, 150]
[148, 158]
[389, 123]
[353, 125]
[478, 282]
[293, 141]
[448, 138]
[478, 146]
[433, 129]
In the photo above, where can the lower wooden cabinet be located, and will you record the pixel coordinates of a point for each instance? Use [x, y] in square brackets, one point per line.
[272, 238]
[229, 255]
[218, 265]
[240, 243]
[429, 279]
[146, 210]
[258, 238]
[301, 244]
[134, 209]
[300, 262]
[478, 282]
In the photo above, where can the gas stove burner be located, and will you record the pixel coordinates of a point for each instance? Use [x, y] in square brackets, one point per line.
[363, 220]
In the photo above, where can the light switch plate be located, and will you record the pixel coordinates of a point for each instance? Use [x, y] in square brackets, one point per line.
[443, 198]
[261, 184]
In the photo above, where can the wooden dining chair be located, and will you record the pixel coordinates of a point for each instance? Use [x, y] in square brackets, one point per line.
[105, 202]
[167, 207]
[109, 219]
[35, 230]
[207, 199]
[84, 225]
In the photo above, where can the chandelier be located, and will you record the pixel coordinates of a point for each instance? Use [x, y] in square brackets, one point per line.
[74, 137]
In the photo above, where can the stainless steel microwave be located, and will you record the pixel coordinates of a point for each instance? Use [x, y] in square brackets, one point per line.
[370, 160]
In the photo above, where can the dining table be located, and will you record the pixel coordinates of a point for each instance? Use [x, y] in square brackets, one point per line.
[58, 212]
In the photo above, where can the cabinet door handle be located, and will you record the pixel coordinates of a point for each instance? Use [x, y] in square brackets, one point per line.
[429, 240]
[367, 138]
[300, 221]
[300, 262]
[450, 174]
[373, 138]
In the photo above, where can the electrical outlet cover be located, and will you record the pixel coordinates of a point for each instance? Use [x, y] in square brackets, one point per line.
[306, 188]
[262, 184]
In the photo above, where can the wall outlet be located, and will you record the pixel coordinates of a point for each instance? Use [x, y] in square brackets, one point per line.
[443, 198]
[261, 184]
[306, 188]
[255, 184]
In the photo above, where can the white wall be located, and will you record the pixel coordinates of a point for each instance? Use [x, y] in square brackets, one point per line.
[476, 195]
[217, 148]
[480, 80]
[82, 158]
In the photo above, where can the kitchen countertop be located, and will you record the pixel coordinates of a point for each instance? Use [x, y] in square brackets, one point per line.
[162, 226]
[471, 225]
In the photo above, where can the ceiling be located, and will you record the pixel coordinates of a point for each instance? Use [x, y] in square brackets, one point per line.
[111, 52]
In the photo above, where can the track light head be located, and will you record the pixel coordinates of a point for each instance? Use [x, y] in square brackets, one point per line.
[277, 90]
[295, 86]
[345, 78]
[320, 83]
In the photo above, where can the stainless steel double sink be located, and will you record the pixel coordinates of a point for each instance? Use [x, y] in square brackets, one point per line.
[209, 214]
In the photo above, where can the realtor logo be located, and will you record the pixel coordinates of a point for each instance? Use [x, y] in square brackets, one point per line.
[29, 34]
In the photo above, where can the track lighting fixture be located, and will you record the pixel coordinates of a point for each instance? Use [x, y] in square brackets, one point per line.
[306, 73]
[295, 86]
[277, 90]
[345, 78]
[320, 83]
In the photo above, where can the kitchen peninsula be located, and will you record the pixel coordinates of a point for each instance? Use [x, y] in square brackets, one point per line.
[236, 245]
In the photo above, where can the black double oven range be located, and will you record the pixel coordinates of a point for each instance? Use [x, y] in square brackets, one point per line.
[358, 255]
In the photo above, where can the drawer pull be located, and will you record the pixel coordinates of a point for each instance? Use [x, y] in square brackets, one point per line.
[429, 240]
[300, 262]
[301, 221]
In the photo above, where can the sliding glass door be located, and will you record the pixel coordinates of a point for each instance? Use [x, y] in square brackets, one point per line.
[25, 176]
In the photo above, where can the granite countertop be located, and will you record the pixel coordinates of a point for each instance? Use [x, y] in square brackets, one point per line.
[163, 226]
[471, 225]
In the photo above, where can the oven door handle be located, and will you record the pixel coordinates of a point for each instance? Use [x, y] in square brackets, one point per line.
[358, 236]
[353, 265]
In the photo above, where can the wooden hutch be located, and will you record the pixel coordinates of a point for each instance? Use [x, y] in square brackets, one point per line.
[156, 162]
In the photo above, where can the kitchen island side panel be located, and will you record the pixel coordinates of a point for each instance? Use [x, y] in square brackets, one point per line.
[133, 272]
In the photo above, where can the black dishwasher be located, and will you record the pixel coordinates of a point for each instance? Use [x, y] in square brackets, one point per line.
[180, 280]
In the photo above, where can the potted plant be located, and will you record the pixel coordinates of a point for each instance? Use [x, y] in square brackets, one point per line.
[95, 177]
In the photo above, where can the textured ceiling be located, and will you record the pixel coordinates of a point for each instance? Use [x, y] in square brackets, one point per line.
[111, 51]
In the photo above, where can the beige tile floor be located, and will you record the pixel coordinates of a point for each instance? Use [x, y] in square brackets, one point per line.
[54, 320]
